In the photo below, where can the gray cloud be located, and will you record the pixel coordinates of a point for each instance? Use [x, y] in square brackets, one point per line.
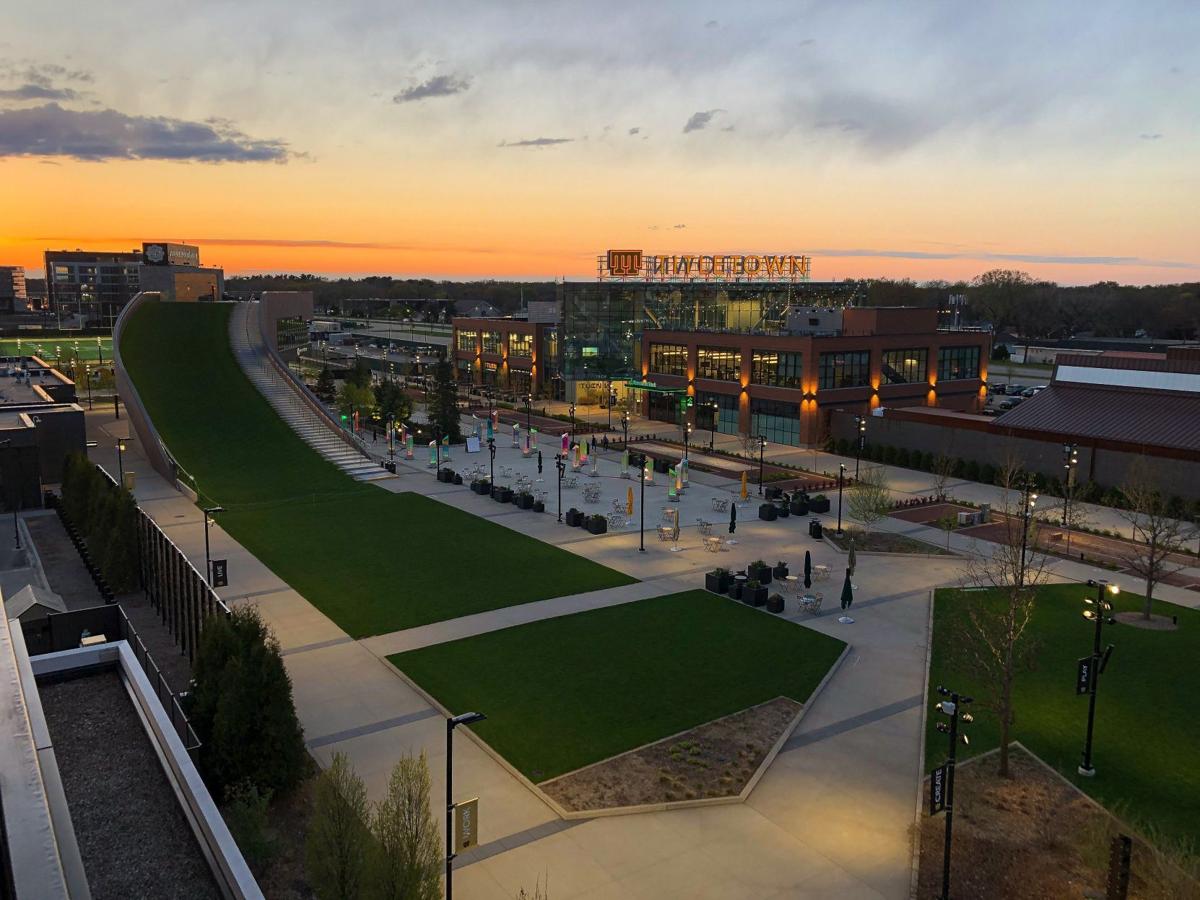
[634, 130]
[50, 130]
[536, 142]
[437, 86]
[38, 92]
[712, 23]
[700, 120]
[1154, 136]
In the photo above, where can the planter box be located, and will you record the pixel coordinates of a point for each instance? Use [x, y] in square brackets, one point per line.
[502, 495]
[774, 493]
[782, 510]
[598, 525]
[798, 507]
[754, 596]
[525, 501]
[780, 572]
[457, 478]
[539, 506]
[819, 506]
[767, 512]
[718, 584]
[775, 603]
[573, 517]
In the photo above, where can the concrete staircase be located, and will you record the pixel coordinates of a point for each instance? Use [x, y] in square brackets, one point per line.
[251, 352]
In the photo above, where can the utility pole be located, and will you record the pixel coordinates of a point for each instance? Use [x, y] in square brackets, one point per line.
[1070, 461]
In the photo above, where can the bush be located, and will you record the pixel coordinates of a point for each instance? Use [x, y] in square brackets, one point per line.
[903, 458]
[888, 456]
[927, 462]
[120, 561]
[246, 815]
[338, 835]
[406, 857]
[971, 470]
[242, 706]
[987, 473]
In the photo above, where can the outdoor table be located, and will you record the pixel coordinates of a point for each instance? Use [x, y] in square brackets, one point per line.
[789, 583]
[821, 572]
[811, 603]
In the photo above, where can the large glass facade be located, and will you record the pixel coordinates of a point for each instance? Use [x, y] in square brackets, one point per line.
[777, 368]
[664, 407]
[466, 340]
[719, 363]
[519, 383]
[491, 342]
[775, 420]
[603, 322]
[668, 359]
[906, 366]
[958, 362]
[725, 415]
[520, 344]
[844, 368]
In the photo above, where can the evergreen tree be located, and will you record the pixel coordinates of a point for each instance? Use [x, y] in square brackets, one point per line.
[443, 403]
[120, 562]
[326, 389]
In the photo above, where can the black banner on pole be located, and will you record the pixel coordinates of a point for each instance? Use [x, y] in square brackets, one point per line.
[1083, 675]
[220, 573]
[937, 790]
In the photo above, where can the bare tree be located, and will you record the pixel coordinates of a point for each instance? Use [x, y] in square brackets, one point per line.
[407, 861]
[870, 496]
[992, 639]
[1157, 536]
[943, 471]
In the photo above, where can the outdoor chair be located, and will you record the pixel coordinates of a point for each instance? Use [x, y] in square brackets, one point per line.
[616, 520]
[720, 504]
[665, 533]
[705, 526]
[811, 603]
[712, 544]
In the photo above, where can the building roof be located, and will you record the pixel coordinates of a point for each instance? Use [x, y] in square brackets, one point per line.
[1152, 418]
[32, 595]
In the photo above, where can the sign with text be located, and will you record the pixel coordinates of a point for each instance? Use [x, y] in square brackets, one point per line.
[937, 790]
[704, 266]
[466, 825]
[1084, 675]
[220, 573]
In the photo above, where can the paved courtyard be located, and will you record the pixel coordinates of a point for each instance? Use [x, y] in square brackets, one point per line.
[830, 818]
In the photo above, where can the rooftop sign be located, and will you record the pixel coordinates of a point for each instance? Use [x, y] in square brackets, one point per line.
[634, 264]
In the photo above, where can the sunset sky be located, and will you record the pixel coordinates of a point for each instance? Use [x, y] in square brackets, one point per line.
[475, 139]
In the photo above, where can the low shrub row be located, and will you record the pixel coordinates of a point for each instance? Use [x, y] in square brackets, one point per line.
[101, 519]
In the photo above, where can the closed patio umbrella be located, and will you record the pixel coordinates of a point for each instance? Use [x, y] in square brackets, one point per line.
[629, 502]
[745, 494]
[732, 522]
[807, 569]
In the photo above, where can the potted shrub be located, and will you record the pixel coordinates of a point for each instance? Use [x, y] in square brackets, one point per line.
[819, 504]
[759, 571]
[597, 524]
[754, 594]
[774, 493]
[735, 588]
[457, 478]
[539, 506]
[767, 512]
[502, 494]
[780, 571]
[775, 603]
[717, 581]
[799, 505]
[525, 500]
[574, 517]
[781, 509]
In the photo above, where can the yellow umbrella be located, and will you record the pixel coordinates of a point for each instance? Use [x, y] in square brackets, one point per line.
[744, 492]
[629, 502]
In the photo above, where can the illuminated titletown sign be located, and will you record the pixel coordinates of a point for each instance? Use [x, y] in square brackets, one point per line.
[710, 267]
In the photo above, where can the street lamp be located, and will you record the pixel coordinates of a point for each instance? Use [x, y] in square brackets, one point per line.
[687, 433]
[560, 463]
[841, 478]
[640, 462]
[465, 719]
[87, 373]
[625, 428]
[861, 421]
[762, 447]
[1028, 501]
[712, 424]
[1097, 612]
[100, 351]
[121, 461]
[492, 472]
[952, 709]
[209, 512]
[528, 410]
[1070, 461]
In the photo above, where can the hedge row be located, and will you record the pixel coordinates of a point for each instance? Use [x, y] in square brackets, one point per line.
[106, 516]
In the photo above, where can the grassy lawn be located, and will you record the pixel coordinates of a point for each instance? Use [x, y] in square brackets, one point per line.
[562, 693]
[371, 560]
[46, 346]
[1147, 730]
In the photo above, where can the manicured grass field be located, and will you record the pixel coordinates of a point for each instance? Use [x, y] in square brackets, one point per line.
[563, 693]
[371, 560]
[1147, 731]
[46, 346]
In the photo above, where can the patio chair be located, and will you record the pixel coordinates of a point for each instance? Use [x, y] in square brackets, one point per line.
[705, 526]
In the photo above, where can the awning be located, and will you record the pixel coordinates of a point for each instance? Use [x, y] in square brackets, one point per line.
[651, 387]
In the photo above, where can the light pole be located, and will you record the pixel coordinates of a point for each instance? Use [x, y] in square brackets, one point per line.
[1098, 612]
[841, 478]
[712, 425]
[492, 472]
[1070, 461]
[528, 410]
[465, 719]
[100, 351]
[1028, 501]
[560, 463]
[121, 461]
[209, 512]
[87, 373]
[625, 428]
[641, 467]
[762, 450]
[861, 421]
[687, 433]
[951, 708]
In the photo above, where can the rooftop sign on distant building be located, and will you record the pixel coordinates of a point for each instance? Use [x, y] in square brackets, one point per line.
[636, 265]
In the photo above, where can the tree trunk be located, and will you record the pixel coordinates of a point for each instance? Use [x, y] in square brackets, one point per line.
[1149, 598]
[1005, 719]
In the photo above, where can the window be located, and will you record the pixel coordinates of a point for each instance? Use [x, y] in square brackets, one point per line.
[905, 366]
[467, 340]
[519, 382]
[958, 362]
[851, 368]
[775, 420]
[668, 359]
[719, 363]
[725, 416]
[491, 342]
[520, 344]
[776, 368]
[490, 373]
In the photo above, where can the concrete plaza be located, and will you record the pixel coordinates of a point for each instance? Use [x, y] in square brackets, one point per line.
[830, 818]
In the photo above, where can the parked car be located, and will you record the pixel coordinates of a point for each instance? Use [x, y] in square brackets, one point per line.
[1009, 402]
[1014, 390]
[998, 388]
[1030, 391]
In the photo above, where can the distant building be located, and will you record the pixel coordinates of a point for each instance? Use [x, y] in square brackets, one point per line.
[13, 297]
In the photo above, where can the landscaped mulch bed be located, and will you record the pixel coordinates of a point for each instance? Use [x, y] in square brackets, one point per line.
[1032, 837]
[928, 513]
[883, 542]
[716, 759]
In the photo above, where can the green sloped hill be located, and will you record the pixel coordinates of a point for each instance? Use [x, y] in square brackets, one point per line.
[371, 560]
